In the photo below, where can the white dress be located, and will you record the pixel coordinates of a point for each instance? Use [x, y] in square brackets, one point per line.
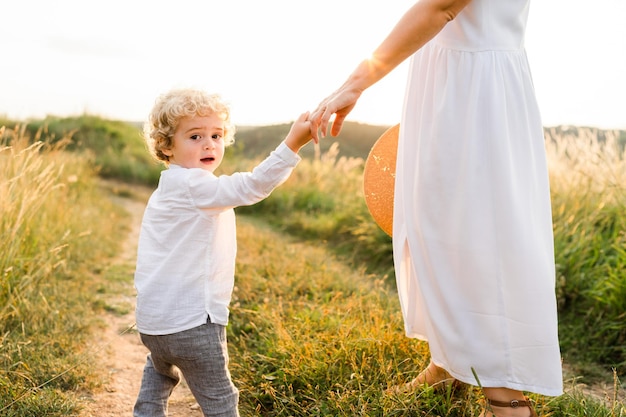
[473, 243]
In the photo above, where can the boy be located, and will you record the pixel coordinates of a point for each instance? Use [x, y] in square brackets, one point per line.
[186, 254]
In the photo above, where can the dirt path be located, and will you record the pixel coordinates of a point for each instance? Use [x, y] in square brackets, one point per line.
[125, 356]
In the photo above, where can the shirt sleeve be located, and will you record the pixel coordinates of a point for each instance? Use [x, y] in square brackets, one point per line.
[242, 188]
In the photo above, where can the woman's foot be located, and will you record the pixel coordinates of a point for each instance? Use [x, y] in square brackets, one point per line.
[507, 411]
[504, 402]
[432, 376]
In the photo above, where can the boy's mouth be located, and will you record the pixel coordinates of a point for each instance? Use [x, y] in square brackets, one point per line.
[208, 159]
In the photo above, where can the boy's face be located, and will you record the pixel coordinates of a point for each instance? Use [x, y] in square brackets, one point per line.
[198, 143]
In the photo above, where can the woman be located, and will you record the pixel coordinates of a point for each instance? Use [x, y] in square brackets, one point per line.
[472, 233]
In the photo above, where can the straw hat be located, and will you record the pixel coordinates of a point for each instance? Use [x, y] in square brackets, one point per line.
[379, 177]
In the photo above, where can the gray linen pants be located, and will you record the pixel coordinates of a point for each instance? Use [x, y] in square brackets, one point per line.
[201, 355]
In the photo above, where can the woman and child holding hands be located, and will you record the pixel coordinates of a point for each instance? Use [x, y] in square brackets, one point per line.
[472, 232]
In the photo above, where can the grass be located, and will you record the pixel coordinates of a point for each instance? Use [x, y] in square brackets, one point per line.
[323, 200]
[118, 149]
[316, 327]
[588, 178]
[56, 231]
[310, 336]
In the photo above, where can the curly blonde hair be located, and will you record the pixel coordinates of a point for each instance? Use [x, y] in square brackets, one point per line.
[175, 105]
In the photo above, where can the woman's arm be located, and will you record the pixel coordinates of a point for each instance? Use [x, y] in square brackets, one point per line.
[417, 26]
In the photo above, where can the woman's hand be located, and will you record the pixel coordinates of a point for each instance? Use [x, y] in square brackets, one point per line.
[340, 104]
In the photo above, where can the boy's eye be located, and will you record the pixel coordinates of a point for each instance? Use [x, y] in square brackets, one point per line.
[216, 136]
[195, 137]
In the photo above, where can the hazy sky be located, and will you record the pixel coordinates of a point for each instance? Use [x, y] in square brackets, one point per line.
[274, 59]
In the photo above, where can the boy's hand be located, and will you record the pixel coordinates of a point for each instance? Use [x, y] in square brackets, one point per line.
[300, 133]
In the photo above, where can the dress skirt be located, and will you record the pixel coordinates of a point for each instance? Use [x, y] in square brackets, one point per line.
[472, 237]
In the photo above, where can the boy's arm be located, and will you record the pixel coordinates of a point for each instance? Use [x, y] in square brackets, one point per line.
[299, 134]
[245, 188]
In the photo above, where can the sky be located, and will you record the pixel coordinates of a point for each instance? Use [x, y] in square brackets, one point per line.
[275, 59]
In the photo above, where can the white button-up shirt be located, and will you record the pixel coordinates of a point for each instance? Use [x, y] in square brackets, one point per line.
[187, 245]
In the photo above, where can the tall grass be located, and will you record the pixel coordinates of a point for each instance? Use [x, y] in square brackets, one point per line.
[118, 147]
[312, 339]
[310, 336]
[588, 180]
[54, 229]
[323, 200]
[310, 333]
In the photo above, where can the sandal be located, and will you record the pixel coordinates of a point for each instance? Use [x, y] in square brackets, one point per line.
[512, 404]
[441, 380]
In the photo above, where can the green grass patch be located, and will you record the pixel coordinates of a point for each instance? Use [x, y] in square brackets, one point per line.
[588, 180]
[323, 201]
[311, 336]
[118, 149]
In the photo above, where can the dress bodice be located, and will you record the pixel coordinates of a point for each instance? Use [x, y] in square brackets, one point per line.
[487, 25]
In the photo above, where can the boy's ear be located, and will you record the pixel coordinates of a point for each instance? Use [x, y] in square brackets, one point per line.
[167, 152]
